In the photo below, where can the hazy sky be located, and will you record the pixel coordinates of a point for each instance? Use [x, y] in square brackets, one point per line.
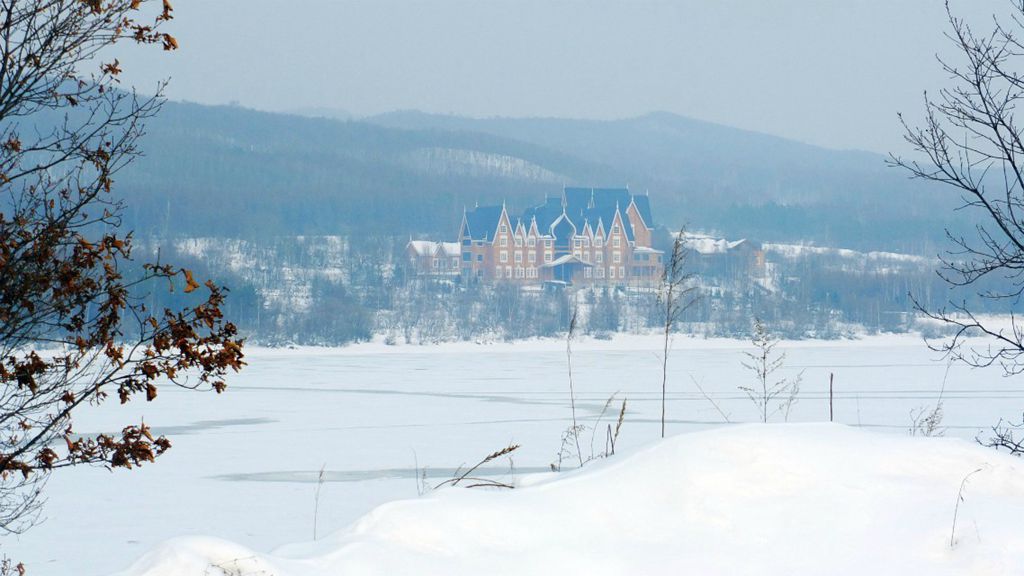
[829, 72]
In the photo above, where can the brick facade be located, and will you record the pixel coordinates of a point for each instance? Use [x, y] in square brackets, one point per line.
[583, 236]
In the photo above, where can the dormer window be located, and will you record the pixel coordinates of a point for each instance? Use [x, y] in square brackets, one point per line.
[504, 229]
[615, 229]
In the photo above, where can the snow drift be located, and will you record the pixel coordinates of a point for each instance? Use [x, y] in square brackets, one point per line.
[765, 500]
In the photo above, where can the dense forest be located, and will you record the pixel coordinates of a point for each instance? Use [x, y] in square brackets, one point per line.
[329, 290]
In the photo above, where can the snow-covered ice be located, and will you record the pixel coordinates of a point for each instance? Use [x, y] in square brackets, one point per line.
[244, 464]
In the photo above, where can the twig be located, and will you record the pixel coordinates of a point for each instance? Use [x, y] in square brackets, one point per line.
[956, 508]
[710, 399]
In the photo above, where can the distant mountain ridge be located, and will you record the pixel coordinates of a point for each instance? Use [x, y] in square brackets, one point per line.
[236, 172]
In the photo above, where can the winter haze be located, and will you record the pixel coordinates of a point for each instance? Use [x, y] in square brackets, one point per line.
[829, 73]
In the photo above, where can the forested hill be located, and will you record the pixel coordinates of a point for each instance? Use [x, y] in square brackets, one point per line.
[231, 171]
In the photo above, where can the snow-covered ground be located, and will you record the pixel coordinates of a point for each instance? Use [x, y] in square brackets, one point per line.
[762, 500]
[244, 464]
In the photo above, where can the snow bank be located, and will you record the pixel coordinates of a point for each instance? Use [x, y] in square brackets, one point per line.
[765, 500]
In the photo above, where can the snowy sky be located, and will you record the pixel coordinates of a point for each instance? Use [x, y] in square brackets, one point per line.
[828, 72]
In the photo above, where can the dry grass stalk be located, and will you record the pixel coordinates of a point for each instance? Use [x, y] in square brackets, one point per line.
[572, 393]
[481, 482]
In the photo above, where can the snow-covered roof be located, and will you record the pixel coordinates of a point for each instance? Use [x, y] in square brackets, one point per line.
[428, 248]
[567, 259]
[706, 245]
[450, 249]
[423, 247]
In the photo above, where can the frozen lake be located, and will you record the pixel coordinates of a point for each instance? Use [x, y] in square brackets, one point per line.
[244, 464]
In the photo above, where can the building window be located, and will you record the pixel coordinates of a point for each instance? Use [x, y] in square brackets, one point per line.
[532, 257]
[455, 262]
[600, 272]
[479, 257]
[616, 242]
[519, 242]
[616, 257]
[435, 263]
[587, 273]
[622, 272]
[547, 256]
[519, 256]
[611, 272]
[599, 257]
[586, 242]
[576, 243]
[504, 241]
[503, 256]
[520, 272]
[615, 229]
[467, 257]
[547, 243]
[531, 242]
[508, 271]
[597, 242]
[504, 229]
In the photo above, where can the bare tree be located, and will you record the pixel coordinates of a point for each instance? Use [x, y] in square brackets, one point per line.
[972, 144]
[764, 362]
[64, 134]
[676, 294]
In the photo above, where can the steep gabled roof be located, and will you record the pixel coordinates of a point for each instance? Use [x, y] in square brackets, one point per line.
[643, 206]
[482, 222]
[545, 214]
[580, 207]
[602, 205]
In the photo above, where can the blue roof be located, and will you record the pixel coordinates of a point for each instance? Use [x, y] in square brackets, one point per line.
[482, 222]
[581, 205]
[563, 230]
[545, 214]
[598, 205]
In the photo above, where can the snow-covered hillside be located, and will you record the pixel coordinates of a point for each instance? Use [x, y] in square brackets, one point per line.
[476, 163]
[768, 500]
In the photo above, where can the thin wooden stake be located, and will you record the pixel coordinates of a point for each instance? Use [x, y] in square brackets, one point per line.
[831, 414]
